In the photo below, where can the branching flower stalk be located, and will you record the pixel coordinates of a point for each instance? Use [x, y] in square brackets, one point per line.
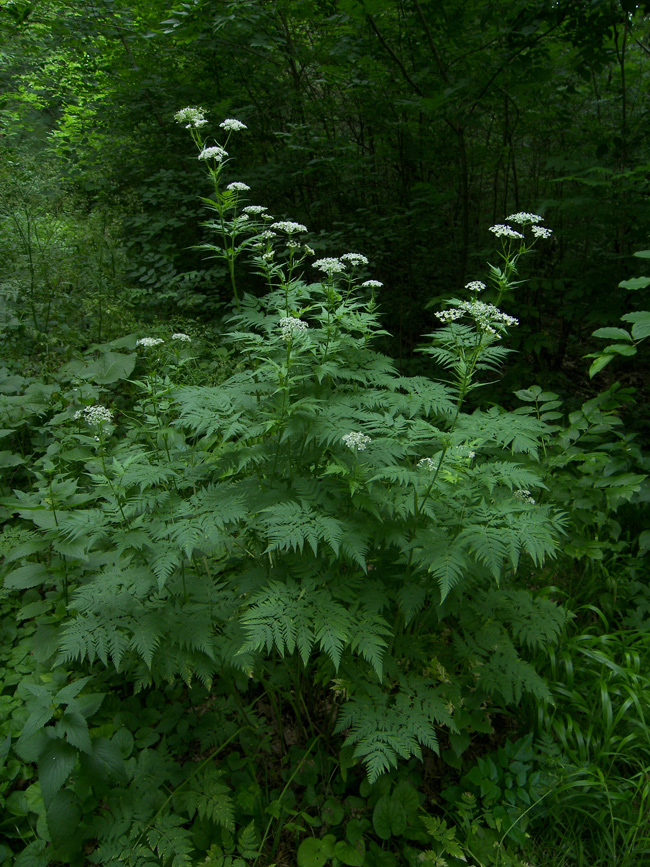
[216, 157]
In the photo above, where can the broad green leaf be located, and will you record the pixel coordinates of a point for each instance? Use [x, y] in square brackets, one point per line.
[32, 575]
[529, 394]
[108, 368]
[641, 323]
[76, 730]
[613, 334]
[63, 815]
[353, 856]
[54, 767]
[67, 693]
[642, 254]
[635, 283]
[407, 796]
[312, 853]
[389, 818]
[37, 719]
[620, 349]
[10, 459]
[600, 362]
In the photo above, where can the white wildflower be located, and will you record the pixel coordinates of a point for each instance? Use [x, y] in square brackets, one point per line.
[292, 245]
[237, 186]
[309, 251]
[329, 266]
[179, 335]
[485, 315]
[254, 209]
[475, 286]
[356, 441]
[266, 256]
[214, 153]
[449, 315]
[232, 125]
[524, 496]
[268, 235]
[542, 232]
[427, 463]
[94, 416]
[289, 227]
[354, 258]
[524, 217]
[291, 327]
[149, 341]
[502, 231]
[371, 284]
[192, 117]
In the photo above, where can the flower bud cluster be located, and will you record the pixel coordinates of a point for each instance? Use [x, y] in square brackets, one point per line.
[356, 441]
[291, 326]
[149, 341]
[289, 227]
[329, 265]
[232, 125]
[485, 315]
[354, 258]
[524, 496]
[216, 153]
[502, 231]
[193, 118]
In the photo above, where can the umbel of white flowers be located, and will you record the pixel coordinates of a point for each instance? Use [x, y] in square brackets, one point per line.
[94, 416]
[356, 441]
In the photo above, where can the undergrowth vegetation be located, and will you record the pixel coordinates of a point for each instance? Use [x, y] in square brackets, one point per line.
[268, 601]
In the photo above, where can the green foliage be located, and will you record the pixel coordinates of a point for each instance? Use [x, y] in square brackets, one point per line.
[258, 607]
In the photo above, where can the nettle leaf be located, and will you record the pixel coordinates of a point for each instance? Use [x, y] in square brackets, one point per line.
[31, 575]
[55, 765]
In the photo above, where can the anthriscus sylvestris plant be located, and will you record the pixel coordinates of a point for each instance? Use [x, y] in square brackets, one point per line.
[319, 527]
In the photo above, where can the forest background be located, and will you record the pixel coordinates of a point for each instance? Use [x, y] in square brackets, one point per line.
[403, 129]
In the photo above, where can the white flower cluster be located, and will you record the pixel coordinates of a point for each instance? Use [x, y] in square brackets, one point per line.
[356, 441]
[192, 117]
[502, 231]
[329, 265]
[293, 245]
[428, 464]
[485, 315]
[291, 326]
[268, 235]
[237, 186]
[94, 416]
[309, 251]
[524, 217]
[254, 209]
[524, 496]
[354, 258]
[179, 335]
[289, 227]
[542, 232]
[475, 286]
[371, 284]
[214, 153]
[149, 341]
[232, 125]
